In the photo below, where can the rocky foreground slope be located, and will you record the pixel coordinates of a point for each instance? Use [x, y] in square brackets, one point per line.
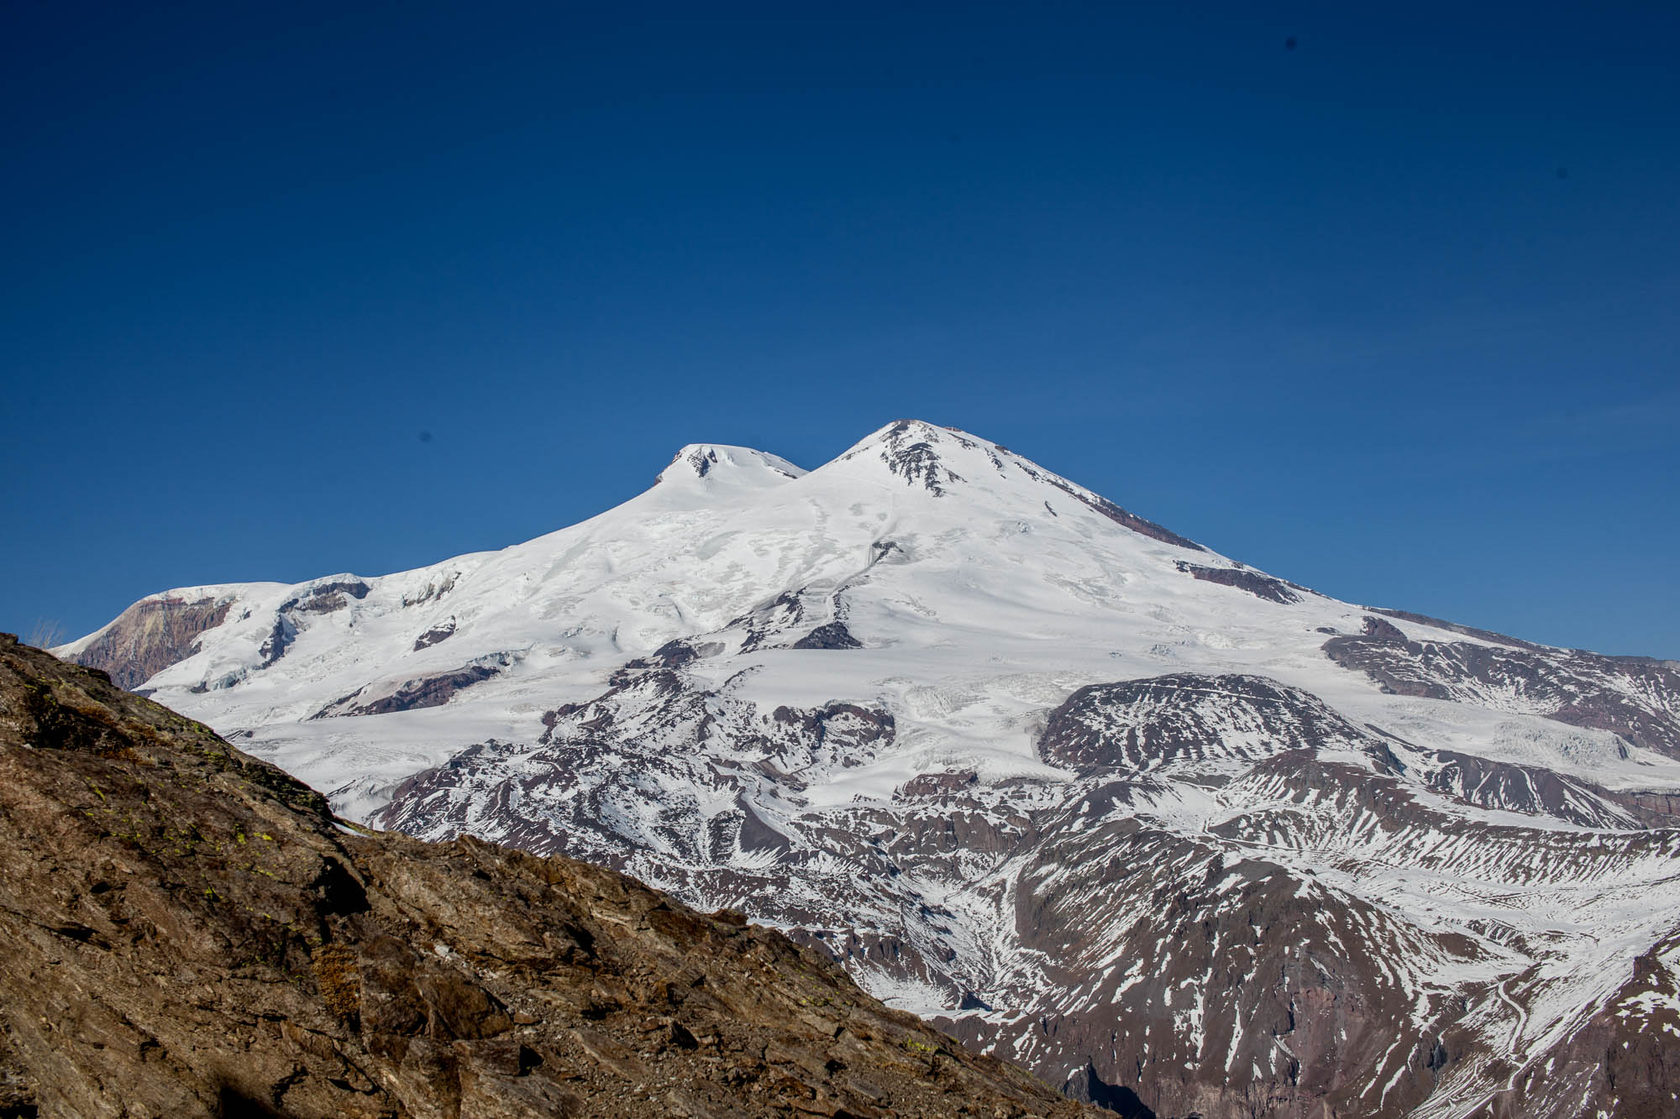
[188, 931]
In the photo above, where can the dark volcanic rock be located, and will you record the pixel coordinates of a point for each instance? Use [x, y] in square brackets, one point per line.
[190, 933]
[671, 655]
[279, 639]
[769, 619]
[1087, 1084]
[1620, 1063]
[1256, 584]
[1122, 517]
[425, 691]
[150, 636]
[1657, 809]
[842, 733]
[1279, 973]
[434, 635]
[1453, 627]
[1137, 524]
[327, 597]
[833, 635]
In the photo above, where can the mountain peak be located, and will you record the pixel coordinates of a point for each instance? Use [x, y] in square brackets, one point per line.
[912, 431]
[711, 463]
[928, 456]
[919, 452]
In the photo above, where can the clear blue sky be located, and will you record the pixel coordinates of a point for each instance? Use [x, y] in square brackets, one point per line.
[289, 289]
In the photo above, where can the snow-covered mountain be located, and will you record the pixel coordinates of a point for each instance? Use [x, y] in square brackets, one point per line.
[1182, 835]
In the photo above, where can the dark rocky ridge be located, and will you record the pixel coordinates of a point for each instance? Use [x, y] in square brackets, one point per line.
[1125, 518]
[1269, 954]
[432, 636]
[830, 635]
[1250, 943]
[909, 453]
[1634, 697]
[1141, 724]
[1657, 809]
[327, 597]
[1620, 1064]
[191, 933]
[422, 691]
[1260, 586]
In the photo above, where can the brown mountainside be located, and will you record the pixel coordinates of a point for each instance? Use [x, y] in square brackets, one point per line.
[189, 932]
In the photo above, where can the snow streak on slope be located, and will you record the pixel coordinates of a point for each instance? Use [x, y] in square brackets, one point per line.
[1125, 809]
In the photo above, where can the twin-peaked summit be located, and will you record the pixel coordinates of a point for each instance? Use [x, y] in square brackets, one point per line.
[916, 451]
[921, 454]
[922, 457]
[722, 532]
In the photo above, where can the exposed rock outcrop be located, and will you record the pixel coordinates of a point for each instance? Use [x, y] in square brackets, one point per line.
[324, 598]
[434, 635]
[150, 636]
[191, 933]
[1267, 587]
[830, 635]
[910, 453]
[422, 691]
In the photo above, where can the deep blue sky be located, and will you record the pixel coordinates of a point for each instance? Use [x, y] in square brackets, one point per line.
[293, 289]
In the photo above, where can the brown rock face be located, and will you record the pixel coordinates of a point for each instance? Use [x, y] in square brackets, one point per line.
[1655, 809]
[150, 636]
[190, 933]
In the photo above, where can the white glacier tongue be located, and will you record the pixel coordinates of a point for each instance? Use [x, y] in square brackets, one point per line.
[1101, 797]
